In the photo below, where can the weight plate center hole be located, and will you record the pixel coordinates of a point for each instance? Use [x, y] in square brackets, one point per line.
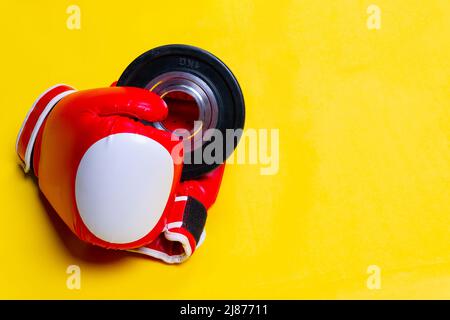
[183, 111]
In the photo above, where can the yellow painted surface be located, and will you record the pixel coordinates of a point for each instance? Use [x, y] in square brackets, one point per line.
[364, 172]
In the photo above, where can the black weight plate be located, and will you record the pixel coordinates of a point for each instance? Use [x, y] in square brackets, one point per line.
[196, 61]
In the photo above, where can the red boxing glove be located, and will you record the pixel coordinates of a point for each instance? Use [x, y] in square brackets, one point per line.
[113, 180]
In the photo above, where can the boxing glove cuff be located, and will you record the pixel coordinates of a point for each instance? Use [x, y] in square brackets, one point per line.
[183, 233]
[35, 119]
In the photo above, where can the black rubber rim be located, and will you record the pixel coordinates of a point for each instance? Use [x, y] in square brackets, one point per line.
[209, 68]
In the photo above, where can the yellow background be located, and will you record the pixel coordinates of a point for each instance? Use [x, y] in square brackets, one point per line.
[364, 175]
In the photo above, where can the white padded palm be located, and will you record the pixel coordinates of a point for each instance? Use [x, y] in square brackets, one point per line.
[122, 186]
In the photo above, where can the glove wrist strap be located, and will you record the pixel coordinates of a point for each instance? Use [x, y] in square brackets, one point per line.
[184, 232]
